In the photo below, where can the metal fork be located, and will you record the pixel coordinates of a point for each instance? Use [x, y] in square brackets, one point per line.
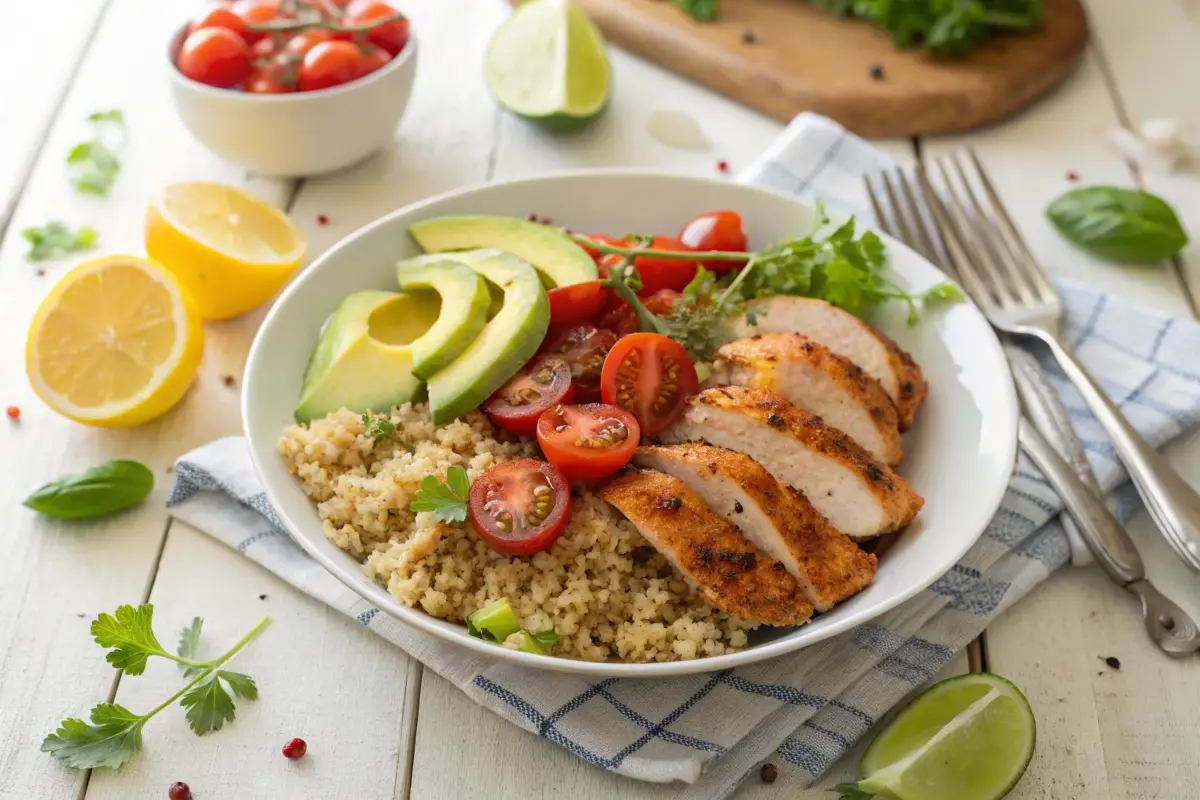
[962, 223]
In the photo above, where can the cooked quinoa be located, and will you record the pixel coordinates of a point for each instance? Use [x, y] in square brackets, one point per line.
[601, 587]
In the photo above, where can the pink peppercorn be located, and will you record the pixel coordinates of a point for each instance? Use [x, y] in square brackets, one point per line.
[295, 748]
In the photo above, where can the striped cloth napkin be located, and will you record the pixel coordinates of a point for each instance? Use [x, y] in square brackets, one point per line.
[805, 710]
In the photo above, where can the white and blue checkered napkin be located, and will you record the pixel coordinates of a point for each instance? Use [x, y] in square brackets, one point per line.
[805, 710]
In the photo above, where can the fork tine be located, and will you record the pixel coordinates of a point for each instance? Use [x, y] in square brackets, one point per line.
[881, 219]
[1012, 237]
[956, 250]
[904, 231]
[976, 238]
[921, 241]
[929, 232]
[999, 251]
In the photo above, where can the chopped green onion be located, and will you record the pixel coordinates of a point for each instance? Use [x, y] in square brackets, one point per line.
[539, 642]
[495, 621]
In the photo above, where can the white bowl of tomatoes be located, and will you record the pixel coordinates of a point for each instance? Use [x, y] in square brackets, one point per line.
[305, 93]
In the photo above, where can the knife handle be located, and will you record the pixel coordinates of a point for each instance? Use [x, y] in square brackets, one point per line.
[1107, 538]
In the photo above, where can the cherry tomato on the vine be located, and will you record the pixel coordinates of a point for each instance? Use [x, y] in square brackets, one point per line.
[301, 43]
[716, 230]
[256, 12]
[329, 64]
[655, 273]
[374, 57]
[391, 36]
[521, 506]
[622, 320]
[214, 56]
[269, 79]
[650, 376]
[219, 16]
[588, 442]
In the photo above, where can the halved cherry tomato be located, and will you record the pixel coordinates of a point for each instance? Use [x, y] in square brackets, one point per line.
[622, 320]
[579, 302]
[521, 506]
[214, 56]
[516, 405]
[650, 376]
[391, 36]
[716, 230]
[588, 442]
[330, 64]
[584, 348]
[219, 16]
[256, 12]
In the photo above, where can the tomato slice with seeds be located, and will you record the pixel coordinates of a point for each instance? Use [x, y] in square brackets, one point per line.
[584, 348]
[588, 442]
[516, 406]
[521, 506]
[650, 376]
[579, 302]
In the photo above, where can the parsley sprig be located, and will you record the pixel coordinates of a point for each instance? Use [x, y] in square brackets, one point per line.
[381, 428]
[447, 500]
[94, 163]
[114, 734]
[55, 240]
[843, 269]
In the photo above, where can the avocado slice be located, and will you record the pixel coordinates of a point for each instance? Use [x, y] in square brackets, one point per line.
[464, 301]
[363, 358]
[547, 248]
[507, 341]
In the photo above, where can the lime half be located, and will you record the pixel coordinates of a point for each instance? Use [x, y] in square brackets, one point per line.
[966, 738]
[547, 63]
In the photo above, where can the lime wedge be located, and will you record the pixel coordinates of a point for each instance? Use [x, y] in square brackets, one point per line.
[967, 738]
[546, 63]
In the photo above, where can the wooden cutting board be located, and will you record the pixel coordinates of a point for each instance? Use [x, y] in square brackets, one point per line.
[784, 56]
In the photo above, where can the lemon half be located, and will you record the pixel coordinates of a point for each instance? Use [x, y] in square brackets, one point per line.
[115, 344]
[232, 251]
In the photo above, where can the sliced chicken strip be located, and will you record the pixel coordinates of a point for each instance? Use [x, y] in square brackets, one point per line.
[828, 566]
[858, 496]
[844, 334]
[734, 575]
[815, 378]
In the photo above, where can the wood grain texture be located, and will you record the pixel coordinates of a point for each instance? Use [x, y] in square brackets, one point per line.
[805, 59]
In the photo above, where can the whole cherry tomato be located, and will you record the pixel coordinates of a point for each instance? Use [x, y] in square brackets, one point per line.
[301, 43]
[331, 64]
[256, 12]
[578, 302]
[391, 36]
[215, 56]
[219, 16]
[622, 320]
[716, 230]
[374, 57]
[655, 273]
[270, 79]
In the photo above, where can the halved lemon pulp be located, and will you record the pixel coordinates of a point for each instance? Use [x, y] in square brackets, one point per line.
[116, 343]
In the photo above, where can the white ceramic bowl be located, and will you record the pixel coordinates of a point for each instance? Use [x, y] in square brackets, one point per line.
[959, 455]
[302, 133]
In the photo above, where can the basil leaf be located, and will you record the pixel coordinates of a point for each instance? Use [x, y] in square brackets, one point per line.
[1118, 224]
[104, 489]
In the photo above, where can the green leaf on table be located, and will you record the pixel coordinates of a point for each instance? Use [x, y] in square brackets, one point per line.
[1118, 224]
[104, 489]
[189, 645]
[55, 240]
[130, 633]
[447, 501]
[113, 115]
[208, 705]
[94, 167]
[241, 684]
[113, 737]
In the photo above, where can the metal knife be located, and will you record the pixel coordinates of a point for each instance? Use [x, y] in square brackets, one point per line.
[1168, 625]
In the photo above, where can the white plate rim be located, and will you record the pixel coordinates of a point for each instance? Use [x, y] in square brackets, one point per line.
[351, 576]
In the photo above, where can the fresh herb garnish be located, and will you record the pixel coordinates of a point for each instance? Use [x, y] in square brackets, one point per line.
[94, 163]
[55, 240]
[1118, 224]
[380, 428]
[448, 500]
[104, 489]
[839, 268]
[115, 733]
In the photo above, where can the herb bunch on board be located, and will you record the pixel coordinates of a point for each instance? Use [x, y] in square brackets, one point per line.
[114, 734]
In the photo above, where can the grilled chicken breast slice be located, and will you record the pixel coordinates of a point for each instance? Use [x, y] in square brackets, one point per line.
[827, 565]
[859, 497]
[817, 379]
[844, 334]
[734, 575]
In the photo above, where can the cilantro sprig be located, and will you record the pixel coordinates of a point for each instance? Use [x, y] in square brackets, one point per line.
[114, 734]
[94, 163]
[447, 500]
[55, 240]
[381, 428]
[840, 268]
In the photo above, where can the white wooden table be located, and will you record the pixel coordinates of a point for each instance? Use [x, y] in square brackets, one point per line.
[377, 724]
